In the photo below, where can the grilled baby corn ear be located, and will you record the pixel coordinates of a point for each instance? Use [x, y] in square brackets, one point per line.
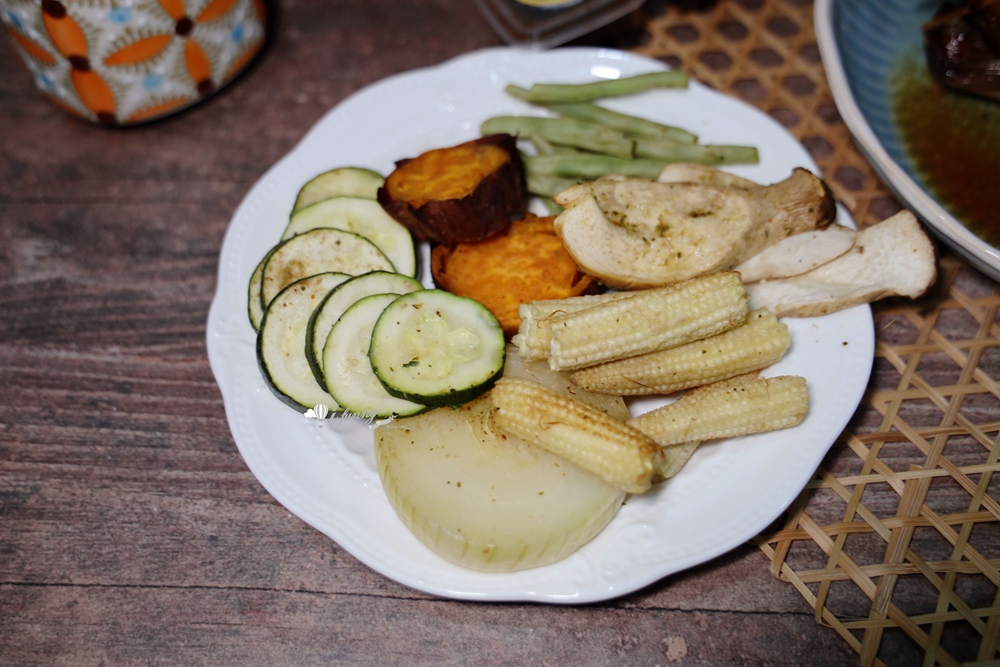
[535, 335]
[649, 320]
[577, 432]
[738, 406]
[755, 344]
[674, 458]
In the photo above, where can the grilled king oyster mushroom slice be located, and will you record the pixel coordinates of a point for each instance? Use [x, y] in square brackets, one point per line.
[690, 172]
[633, 233]
[797, 254]
[790, 256]
[893, 258]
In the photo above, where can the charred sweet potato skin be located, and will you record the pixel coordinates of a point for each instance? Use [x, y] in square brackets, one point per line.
[486, 210]
[527, 262]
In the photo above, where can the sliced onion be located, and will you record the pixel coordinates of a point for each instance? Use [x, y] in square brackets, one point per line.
[487, 501]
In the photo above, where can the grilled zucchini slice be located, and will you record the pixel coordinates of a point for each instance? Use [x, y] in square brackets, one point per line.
[350, 181]
[281, 343]
[348, 372]
[339, 300]
[365, 217]
[319, 251]
[436, 348]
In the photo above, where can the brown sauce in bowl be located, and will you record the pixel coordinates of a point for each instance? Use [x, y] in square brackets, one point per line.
[953, 140]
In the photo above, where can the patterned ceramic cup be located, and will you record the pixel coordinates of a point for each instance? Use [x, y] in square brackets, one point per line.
[121, 62]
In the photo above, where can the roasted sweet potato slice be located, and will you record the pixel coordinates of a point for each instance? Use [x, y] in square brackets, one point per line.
[526, 263]
[453, 195]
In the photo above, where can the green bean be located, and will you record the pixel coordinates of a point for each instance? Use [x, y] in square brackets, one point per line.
[700, 153]
[585, 92]
[553, 208]
[630, 125]
[542, 146]
[548, 186]
[589, 167]
[563, 131]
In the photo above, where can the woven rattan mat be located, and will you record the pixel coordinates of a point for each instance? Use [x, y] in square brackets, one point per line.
[895, 543]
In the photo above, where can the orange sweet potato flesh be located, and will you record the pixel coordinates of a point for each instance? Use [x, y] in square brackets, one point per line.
[526, 263]
[459, 194]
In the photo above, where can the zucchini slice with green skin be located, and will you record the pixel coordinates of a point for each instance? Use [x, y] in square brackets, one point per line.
[339, 300]
[364, 217]
[255, 310]
[351, 181]
[319, 251]
[349, 376]
[436, 348]
[281, 343]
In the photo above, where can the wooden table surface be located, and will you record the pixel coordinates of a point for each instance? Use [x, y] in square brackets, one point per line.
[131, 531]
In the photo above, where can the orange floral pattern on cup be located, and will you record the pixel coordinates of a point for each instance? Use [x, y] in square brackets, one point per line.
[119, 62]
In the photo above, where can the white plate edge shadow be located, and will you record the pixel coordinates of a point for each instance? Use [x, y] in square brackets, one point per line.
[584, 577]
[979, 253]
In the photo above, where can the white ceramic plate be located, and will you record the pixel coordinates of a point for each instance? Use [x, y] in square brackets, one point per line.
[876, 36]
[325, 473]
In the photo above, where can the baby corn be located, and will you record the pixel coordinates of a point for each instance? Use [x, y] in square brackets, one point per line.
[755, 344]
[674, 458]
[534, 335]
[738, 406]
[577, 432]
[648, 320]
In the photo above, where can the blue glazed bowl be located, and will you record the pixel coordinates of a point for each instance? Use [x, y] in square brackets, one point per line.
[861, 43]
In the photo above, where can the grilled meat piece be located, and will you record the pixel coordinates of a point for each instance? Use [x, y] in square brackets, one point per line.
[962, 46]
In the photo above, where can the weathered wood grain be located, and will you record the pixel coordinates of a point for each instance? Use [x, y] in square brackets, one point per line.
[169, 626]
